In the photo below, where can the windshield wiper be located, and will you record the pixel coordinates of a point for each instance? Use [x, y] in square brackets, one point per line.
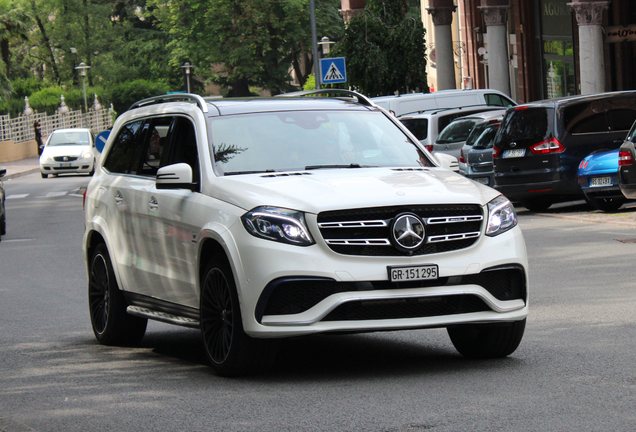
[353, 165]
[248, 172]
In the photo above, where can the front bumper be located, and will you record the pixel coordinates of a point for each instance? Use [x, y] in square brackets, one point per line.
[78, 166]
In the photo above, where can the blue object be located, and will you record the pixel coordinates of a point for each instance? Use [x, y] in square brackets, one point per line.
[598, 179]
[333, 70]
[100, 140]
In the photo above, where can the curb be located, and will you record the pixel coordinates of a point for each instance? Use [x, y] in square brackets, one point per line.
[604, 220]
[20, 174]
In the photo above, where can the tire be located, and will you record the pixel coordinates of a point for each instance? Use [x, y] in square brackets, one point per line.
[607, 204]
[111, 324]
[44, 175]
[3, 225]
[93, 170]
[230, 351]
[537, 204]
[484, 341]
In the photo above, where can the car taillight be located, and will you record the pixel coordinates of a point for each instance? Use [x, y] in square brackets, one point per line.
[583, 163]
[429, 148]
[84, 200]
[495, 152]
[551, 145]
[461, 156]
[624, 158]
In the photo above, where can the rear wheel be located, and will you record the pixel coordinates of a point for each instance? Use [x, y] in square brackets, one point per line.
[230, 351]
[482, 341]
[537, 204]
[607, 204]
[3, 225]
[111, 324]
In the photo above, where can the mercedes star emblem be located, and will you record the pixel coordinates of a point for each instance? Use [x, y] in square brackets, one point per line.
[408, 232]
[65, 158]
[513, 144]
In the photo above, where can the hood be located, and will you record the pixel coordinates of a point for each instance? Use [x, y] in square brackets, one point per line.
[69, 150]
[332, 189]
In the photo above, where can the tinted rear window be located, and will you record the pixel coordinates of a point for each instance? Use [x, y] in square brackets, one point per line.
[418, 127]
[457, 131]
[600, 116]
[526, 124]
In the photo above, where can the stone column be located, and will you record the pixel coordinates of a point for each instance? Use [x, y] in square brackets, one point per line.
[589, 15]
[495, 18]
[442, 14]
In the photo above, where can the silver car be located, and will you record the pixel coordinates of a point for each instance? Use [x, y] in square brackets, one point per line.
[478, 156]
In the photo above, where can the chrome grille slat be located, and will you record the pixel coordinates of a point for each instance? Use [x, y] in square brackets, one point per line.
[358, 242]
[453, 219]
[452, 237]
[353, 224]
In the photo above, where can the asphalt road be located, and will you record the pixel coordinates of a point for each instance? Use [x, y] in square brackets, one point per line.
[573, 371]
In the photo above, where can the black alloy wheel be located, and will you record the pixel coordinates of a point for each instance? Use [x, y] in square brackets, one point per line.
[217, 308]
[112, 325]
[607, 204]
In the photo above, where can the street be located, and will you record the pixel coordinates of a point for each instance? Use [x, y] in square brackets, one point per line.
[574, 369]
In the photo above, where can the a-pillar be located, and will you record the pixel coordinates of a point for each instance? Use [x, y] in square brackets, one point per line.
[495, 15]
[442, 13]
[589, 15]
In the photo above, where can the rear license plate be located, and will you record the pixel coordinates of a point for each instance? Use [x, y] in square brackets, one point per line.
[423, 272]
[482, 180]
[600, 181]
[514, 153]
[65, 165]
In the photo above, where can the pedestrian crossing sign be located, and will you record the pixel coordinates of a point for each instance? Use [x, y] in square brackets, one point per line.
[333, 70]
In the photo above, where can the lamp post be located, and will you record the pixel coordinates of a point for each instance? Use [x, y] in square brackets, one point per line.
[82, 68]
[324, 43]
[312, 16]
[186, 67]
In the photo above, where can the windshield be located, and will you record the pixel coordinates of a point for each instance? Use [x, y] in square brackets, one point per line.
[69, 138]
[457, 131]
[303, 140]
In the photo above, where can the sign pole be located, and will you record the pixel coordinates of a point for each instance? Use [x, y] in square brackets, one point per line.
[314, 43]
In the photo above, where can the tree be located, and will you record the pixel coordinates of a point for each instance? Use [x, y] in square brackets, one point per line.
[385, 49]
[14, 23]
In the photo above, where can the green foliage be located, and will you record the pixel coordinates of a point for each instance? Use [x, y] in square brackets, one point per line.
[123, 95]
[13, 107]
[384, 53]
[22, 88]
[310, 84]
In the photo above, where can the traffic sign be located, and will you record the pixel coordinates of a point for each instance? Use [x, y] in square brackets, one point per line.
[333, 70]
[100, 140]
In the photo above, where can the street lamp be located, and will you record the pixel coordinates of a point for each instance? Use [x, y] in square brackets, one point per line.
[186, 67]
[324, 43]
[82, 68]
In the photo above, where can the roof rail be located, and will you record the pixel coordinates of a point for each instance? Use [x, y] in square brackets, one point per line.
[362, 99]
[187, 97]
[436, 110]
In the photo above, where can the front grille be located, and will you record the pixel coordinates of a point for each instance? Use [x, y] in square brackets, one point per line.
[64, 168]
[407, 308]
[367, 231]
[62, 158]
[293, 296]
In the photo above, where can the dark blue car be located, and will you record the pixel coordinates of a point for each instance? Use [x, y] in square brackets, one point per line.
[598, 178]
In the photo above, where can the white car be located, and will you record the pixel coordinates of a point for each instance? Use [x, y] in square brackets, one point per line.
[260, 219]
[68, 151]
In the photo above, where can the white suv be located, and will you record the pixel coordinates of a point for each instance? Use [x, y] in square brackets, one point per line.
[267, 218]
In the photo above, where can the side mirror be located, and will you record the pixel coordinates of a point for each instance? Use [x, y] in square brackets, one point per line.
[3, 171]
[177, 176]
[447, 161]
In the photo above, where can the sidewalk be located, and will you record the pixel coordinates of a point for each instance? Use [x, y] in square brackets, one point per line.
[20, 168]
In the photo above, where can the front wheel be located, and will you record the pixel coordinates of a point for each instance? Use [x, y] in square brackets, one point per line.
[537, 204]
[230, 351]
[44, 175]
[483, 341]
[111, 324]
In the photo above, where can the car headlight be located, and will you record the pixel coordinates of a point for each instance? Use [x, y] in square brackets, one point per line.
[278, 224]
[501, 216]
[87, 155]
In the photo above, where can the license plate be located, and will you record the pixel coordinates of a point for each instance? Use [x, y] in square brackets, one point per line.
[423, 272]
[482, 180]
[514, 153]
[65, 165]
[600, 181]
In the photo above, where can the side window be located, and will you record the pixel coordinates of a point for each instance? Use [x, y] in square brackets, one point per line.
[124, 149]
[157, 141]
[493, 99]
[183, 143]
[418, 127]
[588, 117]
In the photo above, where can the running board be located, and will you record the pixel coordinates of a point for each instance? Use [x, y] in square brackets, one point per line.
[162, 316]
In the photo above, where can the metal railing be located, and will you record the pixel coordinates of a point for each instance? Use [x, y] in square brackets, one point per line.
[21, 128]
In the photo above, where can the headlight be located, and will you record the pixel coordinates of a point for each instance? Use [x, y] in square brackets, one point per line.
[87, 155]
[501, 216]
[278, 224]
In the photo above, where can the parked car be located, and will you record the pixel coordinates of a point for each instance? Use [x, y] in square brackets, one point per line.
[427, 126]
[477, 152]
[288, 216]
[414, 102]
[454, 136]
[626, 169]
[598, 179]
[3, 212]
[540, 145]
[68, 151]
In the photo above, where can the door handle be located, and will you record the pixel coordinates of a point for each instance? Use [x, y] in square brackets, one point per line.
[153, 204]
[120, 204]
